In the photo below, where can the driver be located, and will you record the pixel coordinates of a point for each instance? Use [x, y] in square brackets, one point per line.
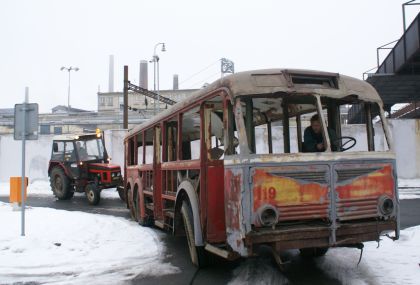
[81, 151]
[313, 138]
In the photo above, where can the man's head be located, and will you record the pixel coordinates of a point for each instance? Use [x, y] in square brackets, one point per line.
[316, 124]
[78, 145]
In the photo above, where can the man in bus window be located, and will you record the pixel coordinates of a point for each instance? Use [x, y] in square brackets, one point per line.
[313, 138]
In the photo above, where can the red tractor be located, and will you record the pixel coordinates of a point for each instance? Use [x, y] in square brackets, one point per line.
[80, 163]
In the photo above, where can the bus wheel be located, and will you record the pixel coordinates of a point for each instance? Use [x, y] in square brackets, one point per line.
[197, 253]
[93, 194]
[313, 251]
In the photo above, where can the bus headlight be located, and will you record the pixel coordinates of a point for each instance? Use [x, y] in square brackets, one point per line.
[267, 216]
[386, 205]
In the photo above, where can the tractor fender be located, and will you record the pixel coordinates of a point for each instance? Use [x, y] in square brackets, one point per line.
[187, 189]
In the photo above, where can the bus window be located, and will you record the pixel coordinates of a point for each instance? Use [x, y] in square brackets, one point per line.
[269, 125]
[191, 125]
[140, 154]
[148, 141]
[214, 118]
[171, 139]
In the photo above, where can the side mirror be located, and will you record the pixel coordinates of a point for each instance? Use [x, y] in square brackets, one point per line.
[55, 147]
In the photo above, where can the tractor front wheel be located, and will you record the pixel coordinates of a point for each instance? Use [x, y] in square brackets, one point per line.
[93, 194]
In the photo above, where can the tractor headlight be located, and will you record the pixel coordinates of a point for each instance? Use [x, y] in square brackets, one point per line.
[267, 216]
[386, 205]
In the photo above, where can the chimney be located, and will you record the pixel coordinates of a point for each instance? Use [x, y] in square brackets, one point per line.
[176, 84]
[143, 74]
[111, 74]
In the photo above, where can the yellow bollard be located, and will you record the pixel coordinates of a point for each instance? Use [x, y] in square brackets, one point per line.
[16, 191]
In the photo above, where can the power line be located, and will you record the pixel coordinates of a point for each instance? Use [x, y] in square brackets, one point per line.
[203, 80]
[198, 72]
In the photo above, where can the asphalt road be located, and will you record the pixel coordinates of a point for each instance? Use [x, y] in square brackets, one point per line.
[220, 271]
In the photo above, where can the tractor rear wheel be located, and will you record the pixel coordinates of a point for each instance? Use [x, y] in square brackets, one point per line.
[93, 194]
[60, 184]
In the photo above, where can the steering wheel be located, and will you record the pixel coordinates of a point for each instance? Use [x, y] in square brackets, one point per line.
[345, 141]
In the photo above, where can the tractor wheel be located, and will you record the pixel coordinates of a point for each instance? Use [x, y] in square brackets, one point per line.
[60, 184]
[313, 251]
[93, 194]
[121, 193]
[197, 253]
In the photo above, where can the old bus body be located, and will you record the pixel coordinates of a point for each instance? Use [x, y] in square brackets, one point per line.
[227, 167]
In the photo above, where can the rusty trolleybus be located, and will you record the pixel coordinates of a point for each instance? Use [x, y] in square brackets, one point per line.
[227, 166]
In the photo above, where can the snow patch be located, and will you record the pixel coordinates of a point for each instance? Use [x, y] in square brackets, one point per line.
[62, 247]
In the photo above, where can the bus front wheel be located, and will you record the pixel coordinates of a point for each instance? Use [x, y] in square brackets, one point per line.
[197, 253]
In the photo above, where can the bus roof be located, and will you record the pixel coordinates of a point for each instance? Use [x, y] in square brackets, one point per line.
[285, 81]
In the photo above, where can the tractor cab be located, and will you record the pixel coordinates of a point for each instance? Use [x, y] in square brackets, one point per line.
[80, 163]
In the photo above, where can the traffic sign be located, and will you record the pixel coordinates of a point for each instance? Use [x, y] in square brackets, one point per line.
[26, 121]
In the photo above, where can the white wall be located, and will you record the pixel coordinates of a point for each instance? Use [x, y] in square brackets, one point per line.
[406, 134]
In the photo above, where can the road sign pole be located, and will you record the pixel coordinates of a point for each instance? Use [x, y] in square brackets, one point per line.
[23, 184]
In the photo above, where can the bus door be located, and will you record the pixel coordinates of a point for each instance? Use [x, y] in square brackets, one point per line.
[214, 153]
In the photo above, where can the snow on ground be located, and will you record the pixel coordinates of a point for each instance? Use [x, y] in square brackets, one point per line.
[42, 187]
[392, 263]
[62, 247]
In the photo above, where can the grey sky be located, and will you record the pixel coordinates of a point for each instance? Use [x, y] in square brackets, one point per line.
[38, 37]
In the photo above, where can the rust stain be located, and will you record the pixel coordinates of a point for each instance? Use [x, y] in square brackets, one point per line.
[233, 199]
[284, 191]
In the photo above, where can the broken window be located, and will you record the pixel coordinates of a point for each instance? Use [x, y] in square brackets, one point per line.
[191, 125]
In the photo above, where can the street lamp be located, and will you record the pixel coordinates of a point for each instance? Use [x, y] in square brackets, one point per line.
[155, 61]
[68, 91]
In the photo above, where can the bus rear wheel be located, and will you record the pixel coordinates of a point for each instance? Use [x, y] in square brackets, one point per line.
[313, 251]
[197, 253]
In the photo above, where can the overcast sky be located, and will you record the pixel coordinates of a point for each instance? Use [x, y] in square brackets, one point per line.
[38, 37]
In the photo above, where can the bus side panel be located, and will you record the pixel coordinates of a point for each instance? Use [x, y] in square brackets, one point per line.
[216, 227]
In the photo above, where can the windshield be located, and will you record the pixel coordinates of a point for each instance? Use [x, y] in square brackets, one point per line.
[297, 123]
[90, 149]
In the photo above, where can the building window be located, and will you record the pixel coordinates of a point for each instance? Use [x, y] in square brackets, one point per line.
[109, 101]
[58, 130]
[45, 130]
[101, 101]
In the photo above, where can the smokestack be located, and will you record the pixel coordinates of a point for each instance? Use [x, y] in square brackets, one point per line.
[111, 74]
[176, 84]
[143, 74]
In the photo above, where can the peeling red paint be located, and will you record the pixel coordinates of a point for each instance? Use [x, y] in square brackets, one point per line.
[372, 185]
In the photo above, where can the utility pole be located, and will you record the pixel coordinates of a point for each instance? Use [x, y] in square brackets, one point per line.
[125, 100]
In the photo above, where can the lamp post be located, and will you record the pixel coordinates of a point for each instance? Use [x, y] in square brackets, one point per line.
[155, 61]
[68, 69]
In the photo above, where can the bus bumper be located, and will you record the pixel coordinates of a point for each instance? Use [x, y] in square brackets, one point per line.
[304, 236]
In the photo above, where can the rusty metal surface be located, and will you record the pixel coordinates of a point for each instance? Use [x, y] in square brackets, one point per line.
[301, 236]
[324, 198]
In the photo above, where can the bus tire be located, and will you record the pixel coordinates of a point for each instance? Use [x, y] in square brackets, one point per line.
[197, 253]
[313, 251]
[93, 194]
[60, 184]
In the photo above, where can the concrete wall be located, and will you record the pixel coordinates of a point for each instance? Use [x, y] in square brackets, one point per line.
[406, 134]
